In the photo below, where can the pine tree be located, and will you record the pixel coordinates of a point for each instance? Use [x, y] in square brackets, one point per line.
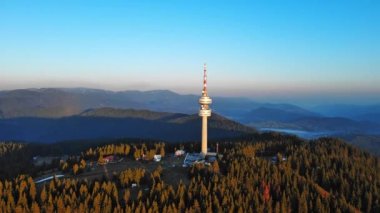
[302, 206]
[35, 208]
[162, 151]
[75, 169]
[215, 167]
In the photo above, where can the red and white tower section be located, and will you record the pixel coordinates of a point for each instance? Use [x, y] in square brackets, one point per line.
[204, 111]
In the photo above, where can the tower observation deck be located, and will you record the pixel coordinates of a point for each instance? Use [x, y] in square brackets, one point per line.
[204, 111]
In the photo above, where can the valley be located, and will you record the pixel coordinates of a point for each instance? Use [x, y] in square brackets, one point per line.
[58, 114]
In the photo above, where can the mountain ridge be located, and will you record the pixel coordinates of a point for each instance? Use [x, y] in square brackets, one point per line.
[64, 102]
[126, 113]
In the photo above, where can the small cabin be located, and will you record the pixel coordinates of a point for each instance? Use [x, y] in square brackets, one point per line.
[179, 153]
[157, 158]
[108, 159]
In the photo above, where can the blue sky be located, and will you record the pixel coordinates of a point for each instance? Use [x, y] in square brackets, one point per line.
[306, 51]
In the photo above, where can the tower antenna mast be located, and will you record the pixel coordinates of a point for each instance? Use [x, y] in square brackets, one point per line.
[204, 92]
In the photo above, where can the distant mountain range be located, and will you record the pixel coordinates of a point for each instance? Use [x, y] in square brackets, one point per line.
[356, 112]
[69, 104]
[56, 102]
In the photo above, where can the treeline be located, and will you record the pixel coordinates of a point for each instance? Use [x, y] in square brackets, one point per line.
[6, 147]
[324, 175]
[110, 149]
[77, 164]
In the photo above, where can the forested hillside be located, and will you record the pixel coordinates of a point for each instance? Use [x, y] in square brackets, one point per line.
[262, 173]
[110, 123]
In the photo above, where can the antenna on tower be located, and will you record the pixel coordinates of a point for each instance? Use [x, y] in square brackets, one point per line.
[204, 91]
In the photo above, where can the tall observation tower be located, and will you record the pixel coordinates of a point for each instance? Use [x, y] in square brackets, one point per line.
[204, 111]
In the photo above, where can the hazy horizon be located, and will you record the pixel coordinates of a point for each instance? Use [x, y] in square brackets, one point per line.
[303, 52]
[303, 101]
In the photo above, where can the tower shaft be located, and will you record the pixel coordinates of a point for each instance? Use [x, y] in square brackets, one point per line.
[204, 135]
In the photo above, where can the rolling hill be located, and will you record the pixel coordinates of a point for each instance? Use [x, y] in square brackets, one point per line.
[117, 123]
